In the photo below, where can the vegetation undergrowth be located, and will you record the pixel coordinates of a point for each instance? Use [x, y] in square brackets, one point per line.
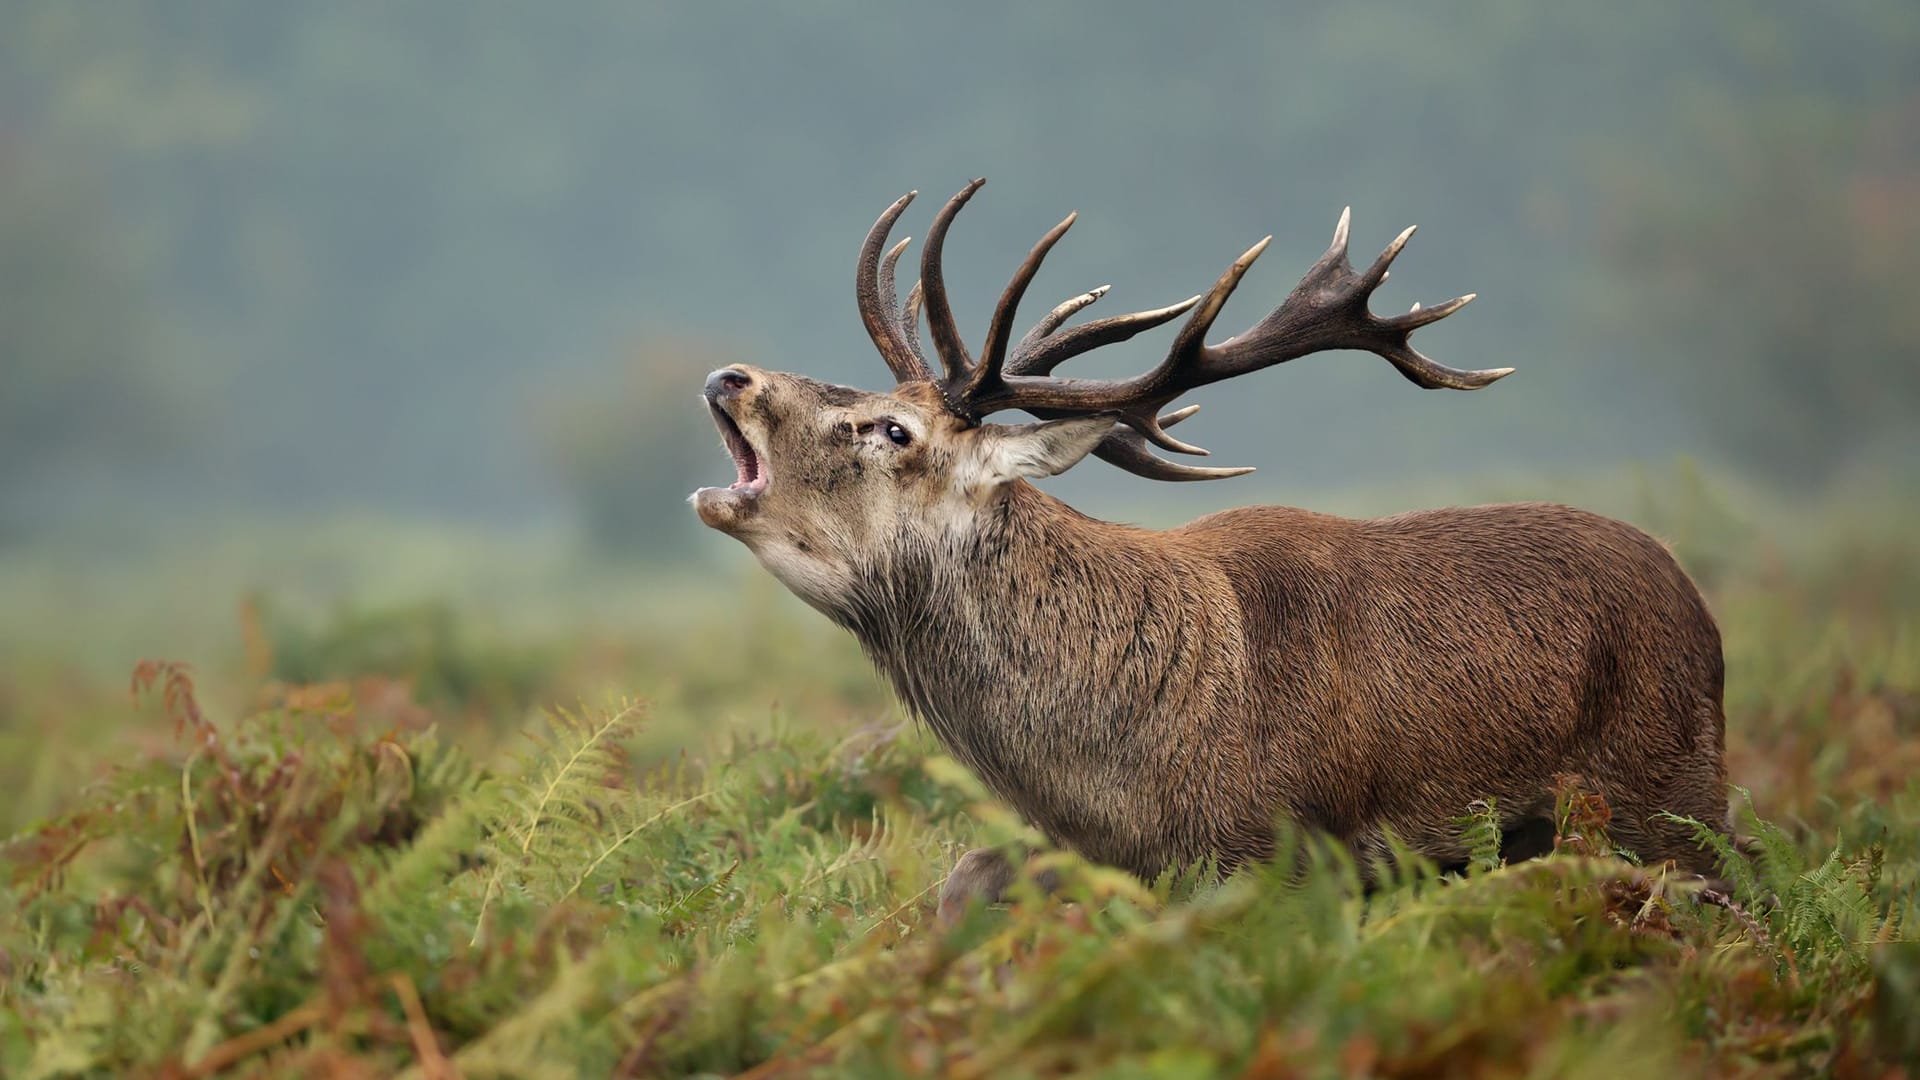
[303, 893]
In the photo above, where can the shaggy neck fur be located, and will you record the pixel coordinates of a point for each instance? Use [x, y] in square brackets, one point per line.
[972, 630]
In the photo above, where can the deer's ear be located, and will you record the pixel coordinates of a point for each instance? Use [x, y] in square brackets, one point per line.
[1003, 452]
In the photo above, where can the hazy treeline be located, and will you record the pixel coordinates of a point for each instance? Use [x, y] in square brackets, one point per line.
[472, 258]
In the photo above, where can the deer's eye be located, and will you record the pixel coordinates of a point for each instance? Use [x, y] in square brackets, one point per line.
[898, 434]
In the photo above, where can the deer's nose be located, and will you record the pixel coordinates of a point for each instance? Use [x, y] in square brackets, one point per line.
[727, 382]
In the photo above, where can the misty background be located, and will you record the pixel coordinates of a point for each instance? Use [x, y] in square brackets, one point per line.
[322, 268]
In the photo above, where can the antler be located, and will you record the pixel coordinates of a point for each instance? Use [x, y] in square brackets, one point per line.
[893, 334]
[1326, 310]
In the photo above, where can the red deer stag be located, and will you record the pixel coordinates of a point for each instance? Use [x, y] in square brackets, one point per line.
[1149, 698]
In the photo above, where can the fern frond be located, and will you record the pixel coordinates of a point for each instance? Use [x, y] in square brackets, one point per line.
[559, 795]
[858, 868]
[684, 912]
[588, 747]
[1829, 909]
[1480, 832]
[1777, 857]
[1733, 863]
[620, 841]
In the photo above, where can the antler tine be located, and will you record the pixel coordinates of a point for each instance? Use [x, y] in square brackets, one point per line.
[1126, 448]
[1420, 316]
[910, 317]
[887, 265]
[1191, 342]
[1040, 355]
[993, 353]
[909, 332]
[1377, 273]
[933, 288]
[1052, 320]
[1337, 250]
[1428, 374]
[875, 297]
[1169, 419]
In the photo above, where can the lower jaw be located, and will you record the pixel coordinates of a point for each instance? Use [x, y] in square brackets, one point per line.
[724, 508]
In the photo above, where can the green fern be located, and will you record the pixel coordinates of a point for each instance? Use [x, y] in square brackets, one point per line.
[1831, 909]
[617, 839]
[1828, 910]
[553, 814]
[849, 871]
[1776, 855]
[1733, 864]
[691, 909]
[1480, 833]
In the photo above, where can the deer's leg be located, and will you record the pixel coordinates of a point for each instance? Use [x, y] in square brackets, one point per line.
[1692, 784]
[983, 875]
[1637, 826]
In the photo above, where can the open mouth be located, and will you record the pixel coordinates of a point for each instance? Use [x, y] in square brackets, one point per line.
[752, 478]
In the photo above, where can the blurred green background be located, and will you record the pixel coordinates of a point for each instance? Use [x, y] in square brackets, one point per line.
[359, 341]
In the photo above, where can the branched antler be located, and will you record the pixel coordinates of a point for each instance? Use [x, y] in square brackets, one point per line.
[1326, 310]
[873, 288]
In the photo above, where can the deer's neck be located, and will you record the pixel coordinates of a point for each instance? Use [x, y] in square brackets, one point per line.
[1050, 652]
[1008, 613]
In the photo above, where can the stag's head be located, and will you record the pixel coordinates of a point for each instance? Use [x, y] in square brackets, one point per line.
[833, 480]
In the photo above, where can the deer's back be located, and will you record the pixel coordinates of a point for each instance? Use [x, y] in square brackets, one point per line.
[1427, 659]
[1498, 581]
